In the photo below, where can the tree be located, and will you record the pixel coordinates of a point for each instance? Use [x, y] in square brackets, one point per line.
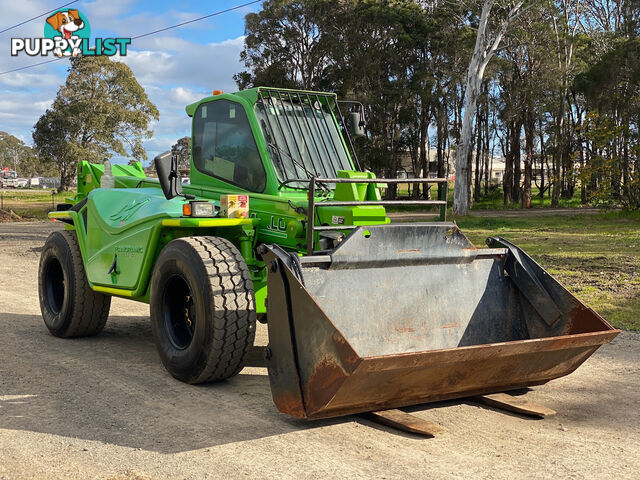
[22, 158]
[378, 67]
[182, 148]
[487, 42]
[312, 45]
[526, 71]
[611, 89]
[414, 66]
[284, 44]
[11, 150]
[101, 110]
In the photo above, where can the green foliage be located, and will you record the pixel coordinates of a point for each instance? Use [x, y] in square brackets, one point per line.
[611, 89]
[285, 44]
[384, 53]
[16, 155]
[101, 110]
[565, 70]
[182, 148]
[613, 81]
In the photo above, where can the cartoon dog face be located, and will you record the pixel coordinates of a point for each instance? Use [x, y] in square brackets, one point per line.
[66, 22]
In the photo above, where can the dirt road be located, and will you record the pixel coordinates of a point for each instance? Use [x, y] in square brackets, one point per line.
[105, 408]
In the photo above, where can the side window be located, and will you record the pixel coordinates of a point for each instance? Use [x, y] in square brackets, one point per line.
[223, 145]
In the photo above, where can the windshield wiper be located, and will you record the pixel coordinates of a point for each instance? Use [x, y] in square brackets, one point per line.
[296, 162]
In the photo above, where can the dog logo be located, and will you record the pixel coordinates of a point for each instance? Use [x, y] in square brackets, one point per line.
[67, 23]
[67, 33]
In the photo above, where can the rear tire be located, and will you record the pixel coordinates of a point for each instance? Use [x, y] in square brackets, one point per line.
[70, 308]
[202, 309]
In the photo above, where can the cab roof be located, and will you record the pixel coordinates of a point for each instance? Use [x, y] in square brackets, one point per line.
[250, 95]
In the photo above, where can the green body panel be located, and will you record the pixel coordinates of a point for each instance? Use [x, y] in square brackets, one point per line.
[130, 227]
[89, 175]
[278, 222]
[123, 225]
[134, 221]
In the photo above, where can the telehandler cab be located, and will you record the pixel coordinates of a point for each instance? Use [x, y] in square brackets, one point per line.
[363, 314]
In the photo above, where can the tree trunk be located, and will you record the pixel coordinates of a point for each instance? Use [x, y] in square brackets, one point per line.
[583, 185]
[543, 159]
[478, 170]
[67, 172]
[507, 179]
[515, 152]
[529, 133]
[474, 78]
[424, 147]
[486, 150]
[557, 158]
[462, 184]
[441, 141]
[484, 49]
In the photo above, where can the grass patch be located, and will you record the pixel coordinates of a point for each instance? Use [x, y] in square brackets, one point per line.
[493, 200]
[23, 214]
[29, 204]
[34, 196]
[597, 257]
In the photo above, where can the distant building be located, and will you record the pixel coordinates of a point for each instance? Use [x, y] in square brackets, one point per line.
[49, 182]
[496, 168]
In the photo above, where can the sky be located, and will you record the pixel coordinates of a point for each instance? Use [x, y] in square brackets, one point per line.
[175, 67]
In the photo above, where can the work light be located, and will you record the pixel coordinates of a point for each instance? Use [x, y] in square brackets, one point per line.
[199, 209]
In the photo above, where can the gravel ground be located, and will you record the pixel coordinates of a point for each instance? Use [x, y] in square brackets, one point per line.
[104, 407]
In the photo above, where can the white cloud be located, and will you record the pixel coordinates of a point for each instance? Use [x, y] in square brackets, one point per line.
[115, 16]
[174, 72]
[107, 11]
[180, 62]
[19, 111]
[196, 69]
[185, 95]
[22, 80]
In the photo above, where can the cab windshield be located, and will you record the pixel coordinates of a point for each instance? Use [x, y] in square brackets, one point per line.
[302, 135]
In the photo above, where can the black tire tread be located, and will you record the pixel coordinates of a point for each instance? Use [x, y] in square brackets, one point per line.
[91, 316]
[233, 307]
[90, 309]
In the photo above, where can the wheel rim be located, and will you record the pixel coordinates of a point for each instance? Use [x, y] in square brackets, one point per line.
[179, 312]
[54, 285]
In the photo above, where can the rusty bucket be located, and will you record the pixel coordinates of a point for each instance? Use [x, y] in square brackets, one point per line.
[400, 315]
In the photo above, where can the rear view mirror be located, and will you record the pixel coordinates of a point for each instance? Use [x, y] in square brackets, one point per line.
[356, 124]
[168, 174]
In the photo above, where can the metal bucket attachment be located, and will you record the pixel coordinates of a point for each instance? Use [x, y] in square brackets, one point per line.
[403, 314]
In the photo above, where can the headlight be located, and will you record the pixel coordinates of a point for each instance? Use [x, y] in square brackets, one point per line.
[199, 209]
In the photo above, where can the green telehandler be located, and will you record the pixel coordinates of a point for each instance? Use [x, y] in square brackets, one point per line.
[362, 314]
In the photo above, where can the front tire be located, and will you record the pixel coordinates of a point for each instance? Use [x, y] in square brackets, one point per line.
[70, 308]
[202, 309]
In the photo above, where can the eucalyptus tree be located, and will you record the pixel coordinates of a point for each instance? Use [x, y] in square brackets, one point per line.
[492, 28]
[611, 88]
[100, 110]
[286, 43]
